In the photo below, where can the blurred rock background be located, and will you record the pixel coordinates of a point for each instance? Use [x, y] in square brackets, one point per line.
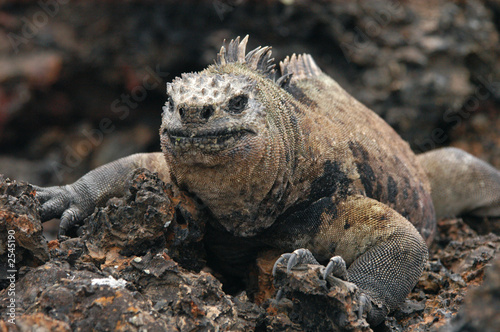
[83, 83]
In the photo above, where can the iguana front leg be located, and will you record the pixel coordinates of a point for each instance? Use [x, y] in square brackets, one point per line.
[73, 202]
[384, 253]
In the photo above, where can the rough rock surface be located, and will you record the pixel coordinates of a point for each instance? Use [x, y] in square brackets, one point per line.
[121, 268]
[480, 311]
[151, 215]
[318, 305]
[140, 262]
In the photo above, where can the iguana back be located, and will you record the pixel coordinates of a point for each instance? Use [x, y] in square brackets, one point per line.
[351, 150]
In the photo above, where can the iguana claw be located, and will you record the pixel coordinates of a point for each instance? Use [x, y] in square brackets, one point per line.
[292, 261]
[337, 267]
[279, 295]
[280, 261]
[364, 305]
[299, 256]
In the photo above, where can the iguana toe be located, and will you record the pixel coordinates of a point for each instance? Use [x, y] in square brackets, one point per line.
[71, 217]
[42, 194]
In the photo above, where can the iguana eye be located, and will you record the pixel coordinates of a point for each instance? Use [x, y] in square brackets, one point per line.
[237, 104]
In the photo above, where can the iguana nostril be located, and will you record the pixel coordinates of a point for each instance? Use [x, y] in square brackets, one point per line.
[182, 112]
[187, 113]
[207, 112]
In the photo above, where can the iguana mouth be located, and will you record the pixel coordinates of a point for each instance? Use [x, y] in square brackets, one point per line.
[206, 140]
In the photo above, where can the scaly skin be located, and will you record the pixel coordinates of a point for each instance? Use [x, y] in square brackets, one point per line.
[299, 165]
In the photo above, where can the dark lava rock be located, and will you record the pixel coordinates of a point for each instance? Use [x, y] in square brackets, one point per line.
[156, 296]
[121, 269]
[79, 297]
[481, 310]
[140, 263]
[21, 239]
[151, 216]
[316, 304]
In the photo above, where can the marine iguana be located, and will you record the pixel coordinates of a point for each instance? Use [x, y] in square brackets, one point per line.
[297, 164]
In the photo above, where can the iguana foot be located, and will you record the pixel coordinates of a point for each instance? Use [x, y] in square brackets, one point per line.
[63, 202]
[336, 275]
[336, 266]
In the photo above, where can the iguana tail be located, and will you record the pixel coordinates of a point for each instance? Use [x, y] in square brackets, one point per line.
[461, 183]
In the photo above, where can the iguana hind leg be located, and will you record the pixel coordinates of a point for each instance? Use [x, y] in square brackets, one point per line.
[384, 253]
[461, 183]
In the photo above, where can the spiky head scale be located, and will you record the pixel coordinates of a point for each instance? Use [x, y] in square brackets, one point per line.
[232, 71]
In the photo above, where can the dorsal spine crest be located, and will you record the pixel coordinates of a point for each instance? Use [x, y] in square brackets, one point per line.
[258, 59]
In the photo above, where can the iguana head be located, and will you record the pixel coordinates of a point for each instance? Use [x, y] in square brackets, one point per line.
[224, 134]
[212, 115]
